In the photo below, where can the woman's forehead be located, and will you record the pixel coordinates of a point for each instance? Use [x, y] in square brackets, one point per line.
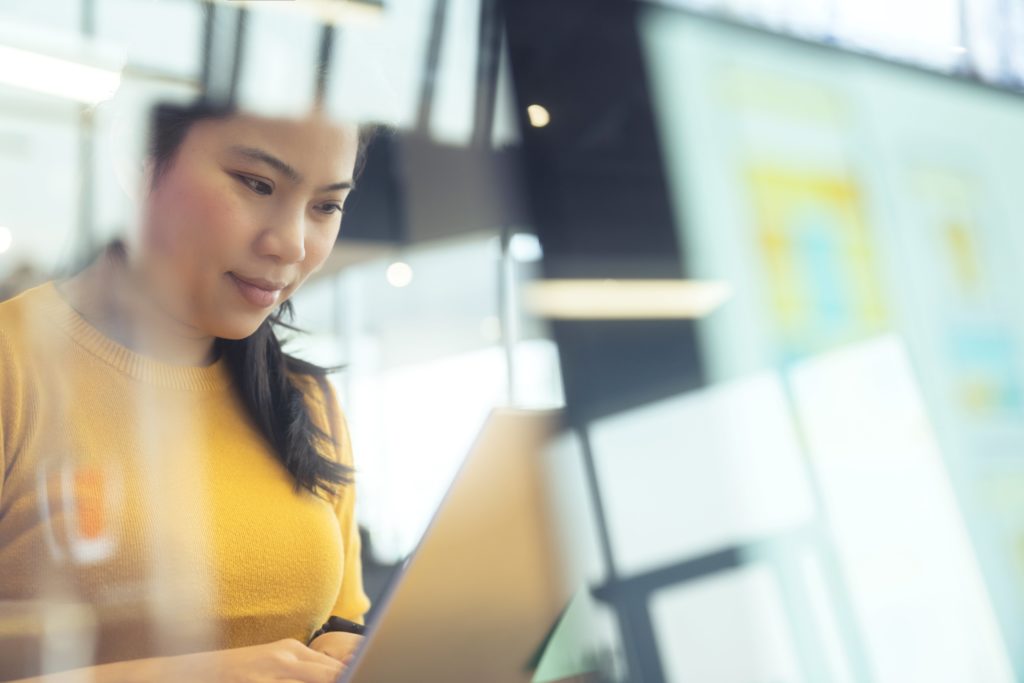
[313, 146]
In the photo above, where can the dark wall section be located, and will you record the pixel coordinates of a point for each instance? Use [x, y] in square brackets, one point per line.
[597, 193]
[415, 190]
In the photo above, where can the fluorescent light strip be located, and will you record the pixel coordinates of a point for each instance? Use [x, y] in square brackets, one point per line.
[54, 76]
[624, 299]
[352, 12]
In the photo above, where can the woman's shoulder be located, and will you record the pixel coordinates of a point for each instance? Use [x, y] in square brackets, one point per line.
[25, 317]
[12, 308]
[26, 334]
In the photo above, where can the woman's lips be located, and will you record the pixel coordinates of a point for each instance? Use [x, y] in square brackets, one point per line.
[261, 293]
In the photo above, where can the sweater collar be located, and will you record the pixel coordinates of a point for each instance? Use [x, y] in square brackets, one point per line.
[143, 368]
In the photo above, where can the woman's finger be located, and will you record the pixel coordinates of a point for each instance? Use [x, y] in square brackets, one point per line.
[337, 645]
[312, 672]
[314, 657]
[307, 654]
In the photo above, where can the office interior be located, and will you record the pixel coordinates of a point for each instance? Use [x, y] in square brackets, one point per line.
[760, 256]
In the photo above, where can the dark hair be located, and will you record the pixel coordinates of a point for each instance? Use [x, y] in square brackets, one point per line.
[262, 373]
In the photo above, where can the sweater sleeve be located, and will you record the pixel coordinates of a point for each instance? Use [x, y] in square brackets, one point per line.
[7, 403]
[352, 602]
[3, 431]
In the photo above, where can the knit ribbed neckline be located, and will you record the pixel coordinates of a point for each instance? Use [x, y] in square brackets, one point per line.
[123, 359]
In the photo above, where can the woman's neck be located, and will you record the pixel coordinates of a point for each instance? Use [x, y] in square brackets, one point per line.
[116, 302]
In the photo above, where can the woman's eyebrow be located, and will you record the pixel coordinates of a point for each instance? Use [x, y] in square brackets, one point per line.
[266, 157]
[289, 172]
[343, 185]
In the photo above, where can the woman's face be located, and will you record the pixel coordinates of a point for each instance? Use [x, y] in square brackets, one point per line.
[246, 210]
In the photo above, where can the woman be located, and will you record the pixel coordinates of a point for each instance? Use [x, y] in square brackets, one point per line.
[176, 498]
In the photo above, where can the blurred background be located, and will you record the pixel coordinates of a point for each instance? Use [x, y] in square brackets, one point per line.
[764, 253]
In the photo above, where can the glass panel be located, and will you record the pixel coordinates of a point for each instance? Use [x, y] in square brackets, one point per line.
[162, 36]
[855, 217]
[454, 103]
[701, 626]
[683, 472]
[62, 15]
[907, 558]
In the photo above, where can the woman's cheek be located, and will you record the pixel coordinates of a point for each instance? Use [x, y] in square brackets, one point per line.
[318, 248]
[223, 214]
[191, 216]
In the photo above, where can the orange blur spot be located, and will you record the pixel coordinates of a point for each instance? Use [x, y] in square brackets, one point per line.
[89, 502]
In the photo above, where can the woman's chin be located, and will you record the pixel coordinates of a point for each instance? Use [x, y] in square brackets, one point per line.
[238, 330]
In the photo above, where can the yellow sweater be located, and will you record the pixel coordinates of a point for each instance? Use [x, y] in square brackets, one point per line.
[141, 512]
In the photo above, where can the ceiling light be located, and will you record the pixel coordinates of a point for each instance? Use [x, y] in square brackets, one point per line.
[56, 76]
[538, 115]
[525, 248]
[399, 274]
[624, 299]
[348, 12]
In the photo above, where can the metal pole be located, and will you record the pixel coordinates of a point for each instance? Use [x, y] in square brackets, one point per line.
[507, 312]
[430, 65]
[86, 156]
[324, 62]
[488, 58]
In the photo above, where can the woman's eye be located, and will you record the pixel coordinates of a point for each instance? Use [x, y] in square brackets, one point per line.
[257, 186]
[330, 208]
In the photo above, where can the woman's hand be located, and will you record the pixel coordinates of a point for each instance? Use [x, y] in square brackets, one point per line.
[283, 660]
[337, 644]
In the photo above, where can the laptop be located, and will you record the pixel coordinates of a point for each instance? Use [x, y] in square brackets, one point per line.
[486, 583]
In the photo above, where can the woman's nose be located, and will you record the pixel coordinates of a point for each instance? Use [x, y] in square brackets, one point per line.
[285, 239]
